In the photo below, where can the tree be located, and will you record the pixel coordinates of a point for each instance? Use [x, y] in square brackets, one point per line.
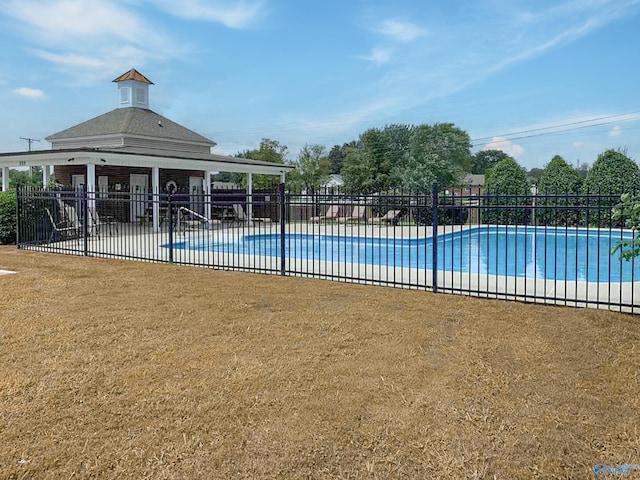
[337, 156]
[312, 168]
[436, 154]
[366, 167]
[22, 178]
[486, 159]
[508, 188]
[582, 169]
[269, 151]
[557, 182]
[534, 175]
[612, 174]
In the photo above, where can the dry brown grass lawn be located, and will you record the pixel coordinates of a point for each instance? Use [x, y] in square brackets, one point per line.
[113, 369]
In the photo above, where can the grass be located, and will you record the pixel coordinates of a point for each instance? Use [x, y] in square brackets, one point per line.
[113, 369]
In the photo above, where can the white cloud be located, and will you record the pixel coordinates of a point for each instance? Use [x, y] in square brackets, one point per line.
[500, 143]
[378, 56]
[65, 22]
[98, 65]
[89, 40]
[577, 144]
[401, 31]
[29, 92]
[615, 131]
[231, 14]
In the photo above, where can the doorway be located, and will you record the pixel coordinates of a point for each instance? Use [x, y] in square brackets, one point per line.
[196, 195]
[138, 184]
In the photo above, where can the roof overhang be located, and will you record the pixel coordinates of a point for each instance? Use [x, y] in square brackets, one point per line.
[133, 158]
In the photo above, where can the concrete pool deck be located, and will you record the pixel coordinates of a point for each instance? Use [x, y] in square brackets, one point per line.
[139, 242]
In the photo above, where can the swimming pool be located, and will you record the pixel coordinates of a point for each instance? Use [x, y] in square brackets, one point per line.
[541, 252]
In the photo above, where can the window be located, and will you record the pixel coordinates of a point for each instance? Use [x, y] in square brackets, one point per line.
[124, 95]
[141, 97]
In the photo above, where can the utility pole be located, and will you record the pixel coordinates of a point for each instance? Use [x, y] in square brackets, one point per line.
[30, 141]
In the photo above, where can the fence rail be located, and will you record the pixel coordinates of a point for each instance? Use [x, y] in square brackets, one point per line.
[544, 248]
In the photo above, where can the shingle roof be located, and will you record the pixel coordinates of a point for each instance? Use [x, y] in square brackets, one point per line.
[133, 74]
[131, 121]
[474, 179]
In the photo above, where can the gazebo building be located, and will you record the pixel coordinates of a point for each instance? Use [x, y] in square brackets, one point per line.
[134, 149]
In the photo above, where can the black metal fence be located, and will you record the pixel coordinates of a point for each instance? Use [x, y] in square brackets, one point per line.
[549, 248]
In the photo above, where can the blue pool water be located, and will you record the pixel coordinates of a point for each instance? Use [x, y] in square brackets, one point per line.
[560, 254]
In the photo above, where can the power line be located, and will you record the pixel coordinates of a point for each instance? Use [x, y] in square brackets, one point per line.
[541, 131]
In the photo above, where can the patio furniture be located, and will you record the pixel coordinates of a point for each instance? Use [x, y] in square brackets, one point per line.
[331, 214]
[63, 229]
[356, 215]
[69, 214]
[97, 222]
[243, 217]
[391, 217]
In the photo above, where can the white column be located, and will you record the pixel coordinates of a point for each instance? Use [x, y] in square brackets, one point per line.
[283, 176]
[91, 186]
[155, 190]
[5, 179]
[46, 175]
[207, 194]
[249, 197]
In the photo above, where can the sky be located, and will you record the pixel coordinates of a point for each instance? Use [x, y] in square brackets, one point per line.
[532, 78]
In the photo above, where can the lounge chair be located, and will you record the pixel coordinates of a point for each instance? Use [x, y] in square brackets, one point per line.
[356, 215]
[391, 217]
[63, 229]
[243, 217]
[332, 214]
[97, 222]
[69, 214]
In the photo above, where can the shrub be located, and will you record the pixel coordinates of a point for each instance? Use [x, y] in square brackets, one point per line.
[628, 211]
[559, 183]
[612, 174]
[8, 217]
[509, 190]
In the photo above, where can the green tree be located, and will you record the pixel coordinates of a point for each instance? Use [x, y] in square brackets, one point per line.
[312, 168]
[436, 154]
[612, 174]
[508, 188]
[583, 170]
[534, 175]
[486, 159]
[22, 178]
[558, 184]
[337, 156]
[269, 151]
[398, 139]
[366, 167]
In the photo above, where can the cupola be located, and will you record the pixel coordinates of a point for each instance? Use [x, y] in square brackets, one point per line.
[133, 89]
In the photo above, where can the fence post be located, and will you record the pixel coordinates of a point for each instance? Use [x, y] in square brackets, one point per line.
[283, 213]
[19, 194]
[85, 220]
[434, 237]
[170, 215]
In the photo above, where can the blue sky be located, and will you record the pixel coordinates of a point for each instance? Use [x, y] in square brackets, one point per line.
[534, 78]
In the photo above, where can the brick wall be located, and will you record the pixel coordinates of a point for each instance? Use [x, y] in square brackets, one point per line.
[120, 175]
